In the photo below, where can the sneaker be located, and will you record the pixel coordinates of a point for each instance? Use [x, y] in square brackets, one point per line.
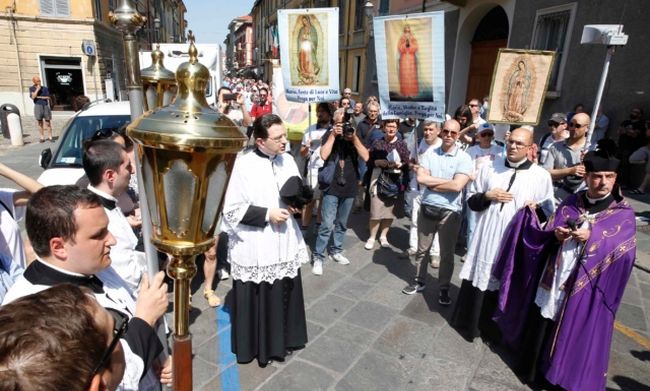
[369, 244]
[338, 257]
[223, 274]
[413, 289]
[435, 261]
[443, 297]
[317, 268]
[384, 242]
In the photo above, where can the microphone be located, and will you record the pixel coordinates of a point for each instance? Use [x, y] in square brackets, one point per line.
[572, 224]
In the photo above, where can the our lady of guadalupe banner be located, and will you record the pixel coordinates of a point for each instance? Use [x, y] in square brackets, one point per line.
[410, 51]
[309, 53]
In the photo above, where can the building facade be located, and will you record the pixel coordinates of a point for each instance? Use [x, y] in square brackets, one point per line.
[69, 44]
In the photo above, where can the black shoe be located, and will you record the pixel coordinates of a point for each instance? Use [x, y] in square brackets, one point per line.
[443, 297]
[413, 289]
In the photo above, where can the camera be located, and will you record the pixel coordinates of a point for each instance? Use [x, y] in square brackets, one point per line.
[348, 129]
[229, 97]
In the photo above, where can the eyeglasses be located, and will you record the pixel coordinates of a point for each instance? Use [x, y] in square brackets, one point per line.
[577, 125]
[486, 134]
[473, 105]
[450, 132]
[278, 138]
[119, 329]
[517, 144]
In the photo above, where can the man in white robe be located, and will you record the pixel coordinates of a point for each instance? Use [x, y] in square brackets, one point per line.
[498, 192]
[265, 249]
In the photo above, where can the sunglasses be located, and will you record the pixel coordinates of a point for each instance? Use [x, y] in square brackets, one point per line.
[576, 125]
[486, 134]
[447, 131]
[104, 133]
[119, 329]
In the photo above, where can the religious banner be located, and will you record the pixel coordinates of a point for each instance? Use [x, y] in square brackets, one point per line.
[519, 83]
[410, 51]
[295, 115]
[309, 52]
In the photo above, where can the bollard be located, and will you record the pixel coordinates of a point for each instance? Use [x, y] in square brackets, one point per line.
[15, 129]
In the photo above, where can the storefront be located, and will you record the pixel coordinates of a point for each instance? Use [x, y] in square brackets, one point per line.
[63, 76]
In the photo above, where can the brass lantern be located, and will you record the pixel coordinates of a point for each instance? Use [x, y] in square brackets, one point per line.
[158, 82]
[187, 152]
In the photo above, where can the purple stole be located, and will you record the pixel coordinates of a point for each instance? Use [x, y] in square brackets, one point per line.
[577, 353]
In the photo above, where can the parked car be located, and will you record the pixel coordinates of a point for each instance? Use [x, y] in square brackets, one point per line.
[64, 166]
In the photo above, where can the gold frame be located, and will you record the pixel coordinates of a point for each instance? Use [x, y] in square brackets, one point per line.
[516, 108]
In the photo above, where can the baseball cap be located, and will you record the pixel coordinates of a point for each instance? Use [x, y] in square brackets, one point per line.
[484, 127]
[557, 118]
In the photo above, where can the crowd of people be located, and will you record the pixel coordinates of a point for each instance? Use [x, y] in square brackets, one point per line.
[549, 239]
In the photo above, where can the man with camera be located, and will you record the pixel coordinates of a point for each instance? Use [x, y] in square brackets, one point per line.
[232, 106]
[341, 150]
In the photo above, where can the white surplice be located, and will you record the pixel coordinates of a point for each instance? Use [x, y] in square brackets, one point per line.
[261, 254]
[532, 184]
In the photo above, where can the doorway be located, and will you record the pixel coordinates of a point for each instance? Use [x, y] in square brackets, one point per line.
[491, 34]
[64, 78]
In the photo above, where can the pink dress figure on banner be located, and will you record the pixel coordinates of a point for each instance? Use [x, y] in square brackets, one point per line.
[408, 68]
[308, 68]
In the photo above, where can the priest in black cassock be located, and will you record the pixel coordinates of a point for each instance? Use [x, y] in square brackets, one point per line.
[266, 247]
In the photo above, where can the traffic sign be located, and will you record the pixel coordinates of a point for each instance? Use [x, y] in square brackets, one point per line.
[88, 47]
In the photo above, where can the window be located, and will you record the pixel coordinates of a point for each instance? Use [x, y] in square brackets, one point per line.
[98, 9]
[55, 7]
[384, 7]
[356, 73]
[341, 17]
[552, 31]
[359, 15]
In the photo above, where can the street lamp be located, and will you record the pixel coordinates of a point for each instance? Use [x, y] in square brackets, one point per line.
[158, 82]
[187, 152]
[602, 34]
[369, 9]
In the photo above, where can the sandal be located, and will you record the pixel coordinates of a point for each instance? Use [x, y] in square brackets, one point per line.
[637, 191]
[213, 300]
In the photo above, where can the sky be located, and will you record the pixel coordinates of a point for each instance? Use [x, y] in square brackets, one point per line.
[209, 19]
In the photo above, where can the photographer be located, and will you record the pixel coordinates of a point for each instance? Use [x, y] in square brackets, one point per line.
[232, 106]
[341, 149]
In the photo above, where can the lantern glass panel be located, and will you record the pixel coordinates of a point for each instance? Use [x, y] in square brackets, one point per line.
[179, 188]
[151, 96]
[216, 185]
[148, 178]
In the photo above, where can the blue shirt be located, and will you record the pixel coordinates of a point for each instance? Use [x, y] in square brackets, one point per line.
[42, 92]
[445, 165]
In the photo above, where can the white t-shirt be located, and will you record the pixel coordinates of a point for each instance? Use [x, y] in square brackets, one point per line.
[483, 156]
[314, 133]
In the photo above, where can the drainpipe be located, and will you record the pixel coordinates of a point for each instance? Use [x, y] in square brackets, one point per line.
[10, 10]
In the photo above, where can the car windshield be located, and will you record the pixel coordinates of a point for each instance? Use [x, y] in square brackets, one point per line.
[81, 128]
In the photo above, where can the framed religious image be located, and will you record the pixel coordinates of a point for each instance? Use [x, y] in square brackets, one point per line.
[307, 59]
[519, 83]
[309, 53]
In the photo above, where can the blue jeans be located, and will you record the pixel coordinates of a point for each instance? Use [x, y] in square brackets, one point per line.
[334, 217]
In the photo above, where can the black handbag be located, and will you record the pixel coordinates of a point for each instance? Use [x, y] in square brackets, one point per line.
[389, 185]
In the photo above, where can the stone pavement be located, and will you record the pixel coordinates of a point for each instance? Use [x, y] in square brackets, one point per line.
[364, 334]
[30, 129]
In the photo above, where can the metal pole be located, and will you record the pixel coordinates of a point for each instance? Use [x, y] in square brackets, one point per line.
[128, 20]
[599, 95]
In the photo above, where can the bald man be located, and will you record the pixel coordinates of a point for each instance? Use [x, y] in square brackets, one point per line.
[564, 161]
[499, 191]
[41, 97]
[444, 173]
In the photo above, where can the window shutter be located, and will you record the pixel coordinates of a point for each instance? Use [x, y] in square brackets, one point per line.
[47, 7]
[62, 7]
